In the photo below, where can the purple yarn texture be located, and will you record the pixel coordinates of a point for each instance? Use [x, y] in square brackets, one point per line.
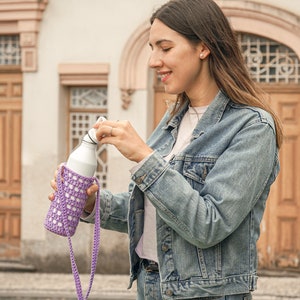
[64, 215]
[72, 203]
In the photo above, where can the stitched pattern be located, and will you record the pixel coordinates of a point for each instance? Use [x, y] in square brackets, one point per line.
[74, 197]
[64, 214]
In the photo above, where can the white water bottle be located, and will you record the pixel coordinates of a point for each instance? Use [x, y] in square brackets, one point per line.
[83, 160]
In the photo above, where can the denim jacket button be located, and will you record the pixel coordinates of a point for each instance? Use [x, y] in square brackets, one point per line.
[165, 248]
[169, 293]
[139, 180]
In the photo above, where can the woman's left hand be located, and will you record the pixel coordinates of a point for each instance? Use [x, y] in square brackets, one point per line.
[123, 136]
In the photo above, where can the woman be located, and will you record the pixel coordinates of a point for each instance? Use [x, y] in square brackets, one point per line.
[201, 181]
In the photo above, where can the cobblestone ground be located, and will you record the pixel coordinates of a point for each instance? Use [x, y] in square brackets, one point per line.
[41, 286]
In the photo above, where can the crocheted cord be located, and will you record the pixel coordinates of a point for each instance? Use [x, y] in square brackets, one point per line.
[64, 215]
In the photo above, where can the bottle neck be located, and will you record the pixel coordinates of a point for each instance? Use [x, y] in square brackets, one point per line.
[90, 137]
[88, 143]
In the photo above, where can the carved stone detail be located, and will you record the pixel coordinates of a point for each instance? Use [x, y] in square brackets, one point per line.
[126, 97]
[28, 39]
[133, 66]
[29, 59]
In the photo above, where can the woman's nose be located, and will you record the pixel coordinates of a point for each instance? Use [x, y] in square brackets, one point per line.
[155, 61]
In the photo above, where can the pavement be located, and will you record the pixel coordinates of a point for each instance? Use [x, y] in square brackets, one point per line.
[30, 285]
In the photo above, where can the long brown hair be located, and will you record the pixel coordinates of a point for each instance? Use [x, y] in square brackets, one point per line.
[203, 20]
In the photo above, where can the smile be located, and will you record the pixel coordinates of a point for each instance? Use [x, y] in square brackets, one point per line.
[164, 76]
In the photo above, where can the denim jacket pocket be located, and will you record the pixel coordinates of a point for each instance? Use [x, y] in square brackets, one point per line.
[196, 169]
[210, 262]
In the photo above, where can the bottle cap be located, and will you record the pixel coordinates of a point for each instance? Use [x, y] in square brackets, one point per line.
[90, 137]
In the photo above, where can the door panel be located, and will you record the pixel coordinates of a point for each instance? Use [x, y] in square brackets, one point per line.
[279, 245]
[162, 101]
[10, 164]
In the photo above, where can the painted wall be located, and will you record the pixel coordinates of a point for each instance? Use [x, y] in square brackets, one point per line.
[77, 31]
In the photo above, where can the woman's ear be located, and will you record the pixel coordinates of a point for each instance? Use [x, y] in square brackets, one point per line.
[203, 51]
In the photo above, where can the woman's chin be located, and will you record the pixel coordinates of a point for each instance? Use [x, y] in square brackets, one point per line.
[172, 91]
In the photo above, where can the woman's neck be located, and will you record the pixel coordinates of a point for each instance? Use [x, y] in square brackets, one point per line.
[203, 97]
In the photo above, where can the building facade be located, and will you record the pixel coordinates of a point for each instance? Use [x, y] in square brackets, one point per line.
[64, 63]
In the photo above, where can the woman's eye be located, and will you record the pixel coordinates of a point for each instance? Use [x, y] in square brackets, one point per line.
[166, 49]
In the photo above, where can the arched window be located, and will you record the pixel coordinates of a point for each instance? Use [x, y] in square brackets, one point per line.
[268, 61]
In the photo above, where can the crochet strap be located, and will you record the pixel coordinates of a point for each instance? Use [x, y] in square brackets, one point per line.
[96, 243]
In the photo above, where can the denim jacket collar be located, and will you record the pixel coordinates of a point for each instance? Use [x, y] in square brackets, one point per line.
[212, 115]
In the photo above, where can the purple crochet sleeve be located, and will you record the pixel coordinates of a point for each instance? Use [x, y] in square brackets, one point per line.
[64, 214]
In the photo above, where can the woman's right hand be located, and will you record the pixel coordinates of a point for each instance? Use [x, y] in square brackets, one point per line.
[53, 184]
[91, 192]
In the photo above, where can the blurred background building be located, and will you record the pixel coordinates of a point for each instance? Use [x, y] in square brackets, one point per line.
[64, 63]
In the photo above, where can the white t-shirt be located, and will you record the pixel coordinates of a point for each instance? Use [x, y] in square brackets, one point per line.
[147, 246]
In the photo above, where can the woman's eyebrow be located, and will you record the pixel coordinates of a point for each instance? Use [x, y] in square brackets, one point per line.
[159, 42]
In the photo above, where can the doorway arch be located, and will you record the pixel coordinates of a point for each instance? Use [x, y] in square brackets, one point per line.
[245, 16]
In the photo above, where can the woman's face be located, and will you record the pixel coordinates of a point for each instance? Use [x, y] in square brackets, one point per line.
[175, 59]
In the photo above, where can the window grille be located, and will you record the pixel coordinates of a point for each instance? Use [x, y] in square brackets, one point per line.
[89, 98]
[10, 51]
[87, 104]
[269, 61]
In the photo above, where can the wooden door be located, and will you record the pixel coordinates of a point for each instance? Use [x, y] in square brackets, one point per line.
[10, 163]
[279, 244]
[161, 101]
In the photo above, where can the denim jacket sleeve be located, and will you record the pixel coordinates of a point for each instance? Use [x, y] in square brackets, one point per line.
[243, 170]
[113, 211]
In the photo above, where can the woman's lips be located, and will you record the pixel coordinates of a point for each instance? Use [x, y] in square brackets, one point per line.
[164, 76]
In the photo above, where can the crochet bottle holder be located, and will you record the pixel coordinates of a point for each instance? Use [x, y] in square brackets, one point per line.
[64, 215]
[68, 203]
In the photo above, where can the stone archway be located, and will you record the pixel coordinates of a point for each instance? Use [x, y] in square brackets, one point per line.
[264, 20]
[133, 67]
[245, 16]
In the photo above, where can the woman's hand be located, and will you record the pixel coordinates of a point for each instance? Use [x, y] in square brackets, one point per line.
[91, 192]
[53, 184]
[123, 136]
[90, 202]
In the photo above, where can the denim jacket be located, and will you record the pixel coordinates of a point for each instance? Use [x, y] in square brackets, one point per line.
[209, 200]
